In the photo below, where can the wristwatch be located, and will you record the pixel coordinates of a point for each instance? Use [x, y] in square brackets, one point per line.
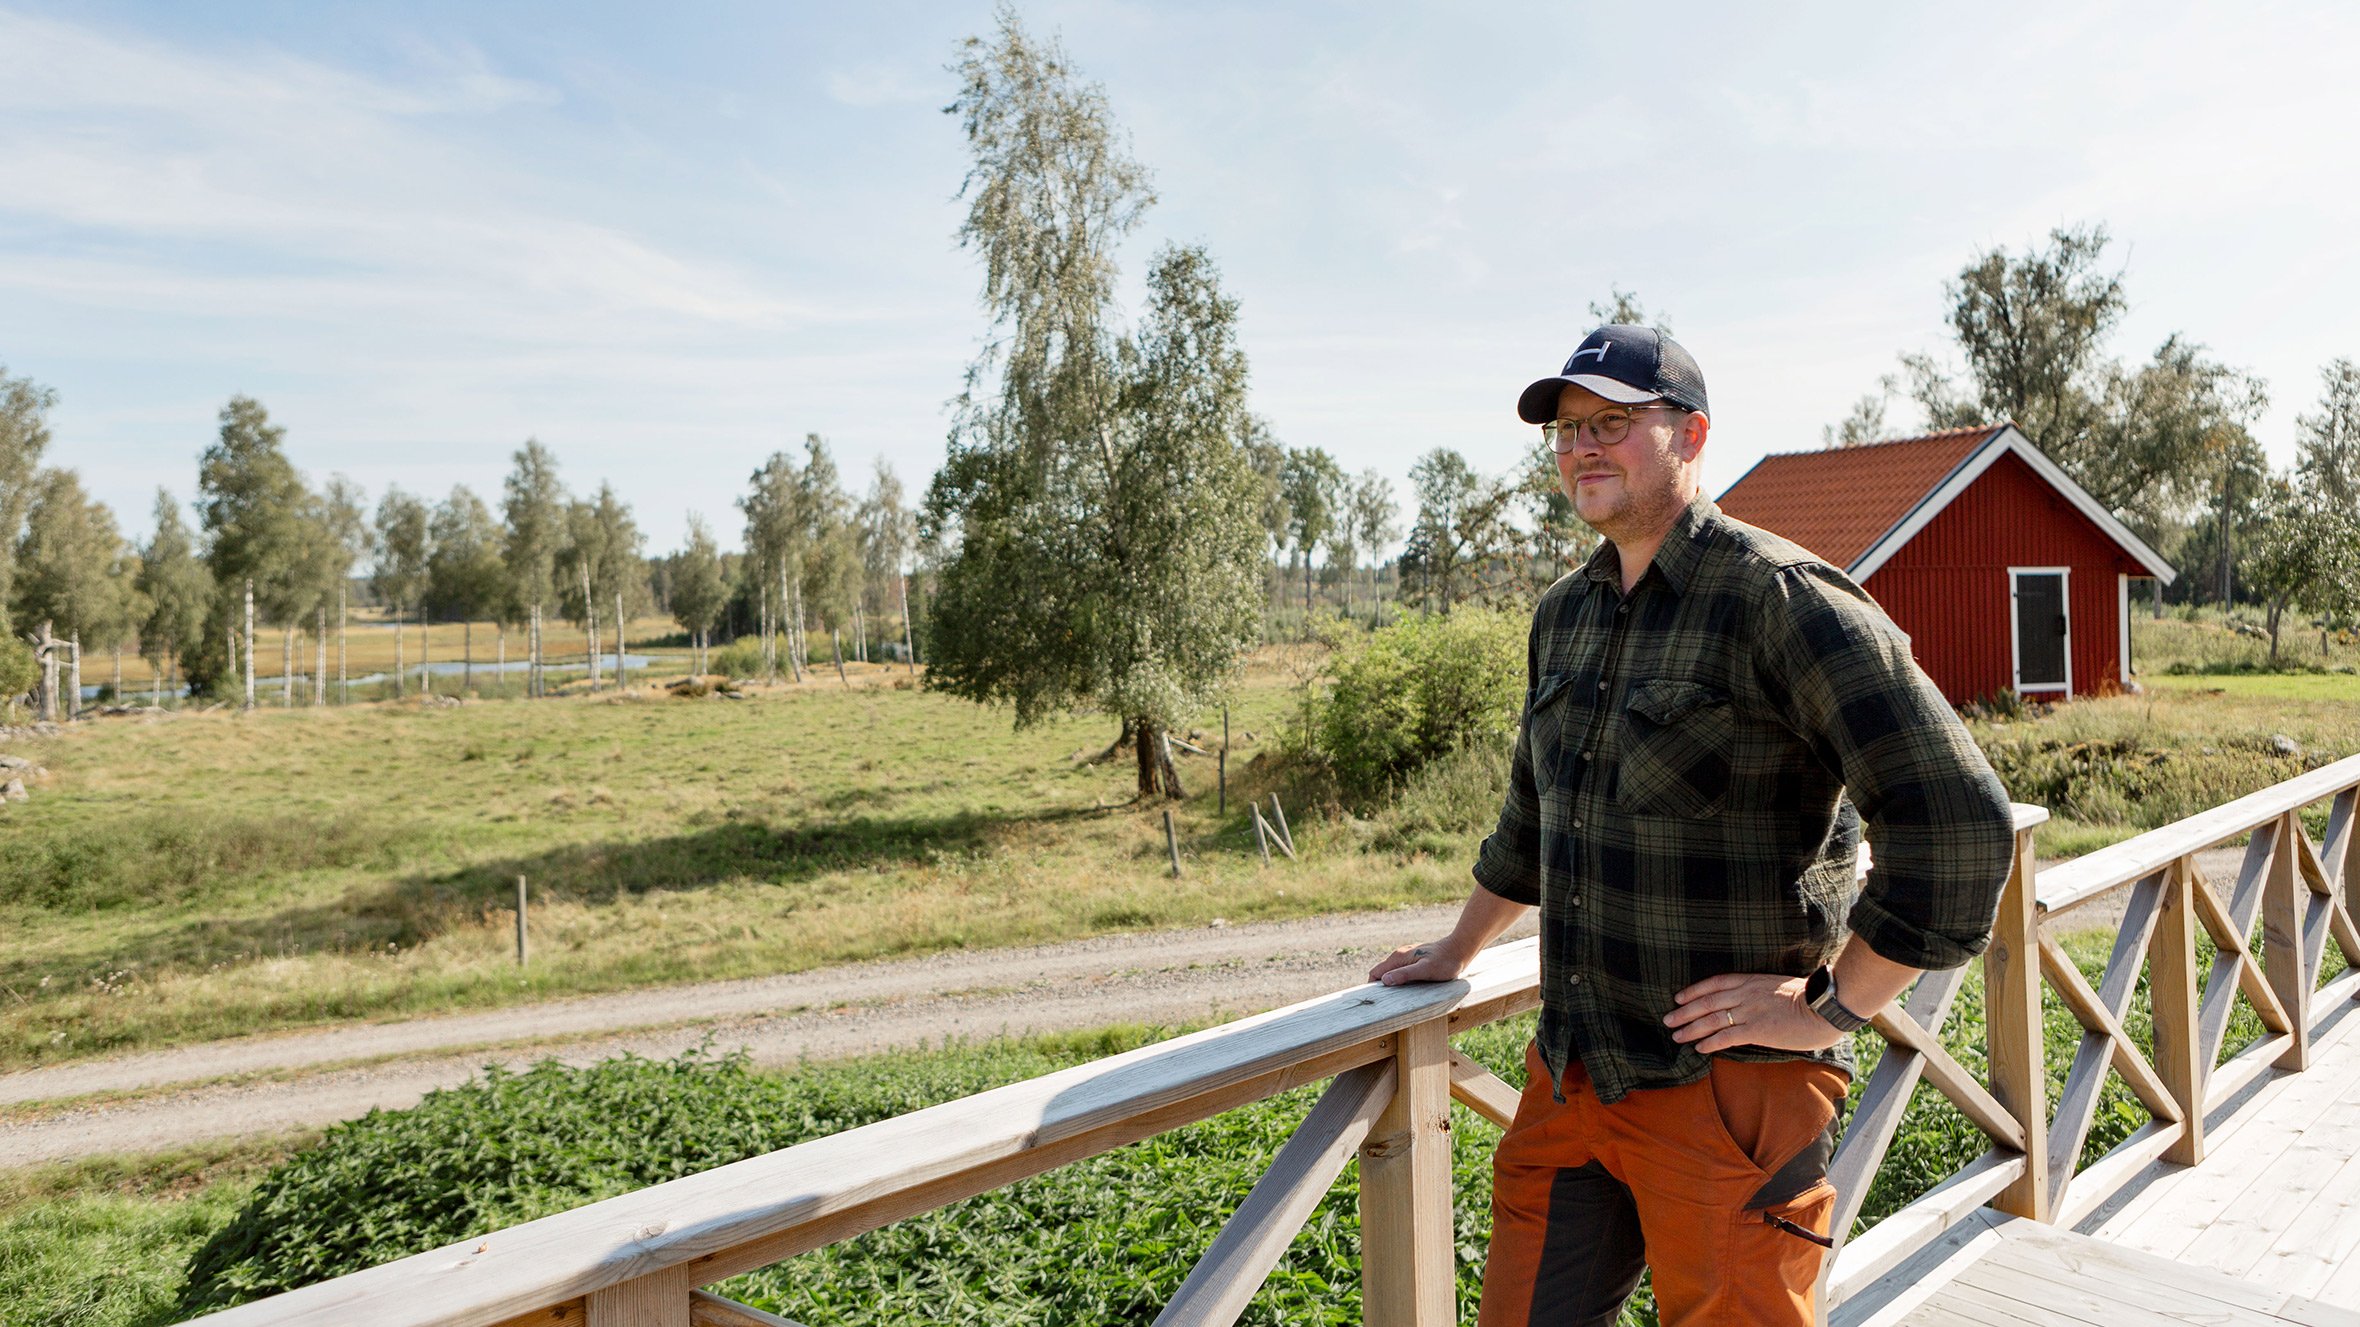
[1820, 993]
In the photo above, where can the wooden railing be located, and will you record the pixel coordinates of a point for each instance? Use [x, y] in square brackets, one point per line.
[640, 1260]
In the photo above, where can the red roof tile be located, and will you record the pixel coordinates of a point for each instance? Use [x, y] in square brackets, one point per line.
[1839, 501]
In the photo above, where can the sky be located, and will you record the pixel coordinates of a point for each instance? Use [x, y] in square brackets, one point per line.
[670, 240]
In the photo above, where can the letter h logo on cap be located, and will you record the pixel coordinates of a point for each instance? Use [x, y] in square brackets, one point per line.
[1624, 364]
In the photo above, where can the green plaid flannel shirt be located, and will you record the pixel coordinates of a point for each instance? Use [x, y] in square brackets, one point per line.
[1691, 775]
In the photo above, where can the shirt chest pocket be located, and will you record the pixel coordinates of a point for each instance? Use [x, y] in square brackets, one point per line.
[1548, 717]
[1676, 743]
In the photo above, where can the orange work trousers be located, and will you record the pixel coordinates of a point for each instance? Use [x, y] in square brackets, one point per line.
[1720, 1186]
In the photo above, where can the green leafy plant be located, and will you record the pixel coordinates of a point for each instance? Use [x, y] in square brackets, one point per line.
[1412, 692]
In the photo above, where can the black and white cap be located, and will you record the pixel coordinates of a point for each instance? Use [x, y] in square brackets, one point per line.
[1625, 364]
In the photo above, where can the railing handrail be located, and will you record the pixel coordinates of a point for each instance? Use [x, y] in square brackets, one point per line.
[2069, 884]
[485, 1279]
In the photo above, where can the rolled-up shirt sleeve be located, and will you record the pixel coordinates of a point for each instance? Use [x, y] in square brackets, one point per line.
[1509, 862]
[1936, 816]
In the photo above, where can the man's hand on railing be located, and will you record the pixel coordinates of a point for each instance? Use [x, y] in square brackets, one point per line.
[1435, 960]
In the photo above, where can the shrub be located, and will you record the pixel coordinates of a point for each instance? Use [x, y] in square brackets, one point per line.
[1414, 691]
[19, 670]
[740, 658]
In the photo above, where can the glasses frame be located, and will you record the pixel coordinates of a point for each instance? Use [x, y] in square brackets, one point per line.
[1557, 431]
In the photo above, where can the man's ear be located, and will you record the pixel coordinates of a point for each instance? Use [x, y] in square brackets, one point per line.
[1693, 431]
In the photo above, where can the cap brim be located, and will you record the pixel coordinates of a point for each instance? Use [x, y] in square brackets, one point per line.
[1538, 405]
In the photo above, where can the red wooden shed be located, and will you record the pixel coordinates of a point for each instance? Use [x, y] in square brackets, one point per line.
[2006, 574]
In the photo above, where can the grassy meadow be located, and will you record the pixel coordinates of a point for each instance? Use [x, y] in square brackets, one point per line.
[211, 874]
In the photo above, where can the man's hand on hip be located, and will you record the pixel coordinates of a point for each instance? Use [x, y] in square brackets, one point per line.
[1749, 1009]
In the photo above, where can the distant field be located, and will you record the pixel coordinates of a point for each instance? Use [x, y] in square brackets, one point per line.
[211, 874]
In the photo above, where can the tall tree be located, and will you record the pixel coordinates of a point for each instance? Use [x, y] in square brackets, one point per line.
[532, 510]
[2306, 555]
[2329, 441]
[1457, 529]
[344, 522]
[465, 577]
[73, 568]
[888, 530]
[24, 435]
[1096, 511]
[774, 547]
[405, 543]
[254, 510]
[1375, 520]
[178, 592]
[1313, 485]
[697, 593]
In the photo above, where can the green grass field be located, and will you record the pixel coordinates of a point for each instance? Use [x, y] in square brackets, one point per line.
[213, 874]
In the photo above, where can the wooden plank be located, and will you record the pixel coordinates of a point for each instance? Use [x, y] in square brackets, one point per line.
[2197, 1198]
[2141, 1281]
[568, 1314]
[2282, 942]
[1962, 1301]
[1406, 1243]
[2105, 1043]
[2251, 1224]
[1883, 1103]
[2233, 970]
[706, 1309]
[2171, 999]
[2068, 883]
[2108, 1197]
[2034, 1279]
[1482, 1091]
[1893, 1297]
[2011, 1011]
[1901, 1238]
[1973, 1100]
[2320, 1240]
[773, 1206]
[1256, 1236]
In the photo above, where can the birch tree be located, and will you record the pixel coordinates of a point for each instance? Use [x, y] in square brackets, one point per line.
[532, 510]
[464, 573]
[1096, 514]
[404, 546]
[253, 507]
[177, 589]
[697, 594]
[24, 435]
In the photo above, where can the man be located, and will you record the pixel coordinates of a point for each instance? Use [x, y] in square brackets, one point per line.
[1712, 712]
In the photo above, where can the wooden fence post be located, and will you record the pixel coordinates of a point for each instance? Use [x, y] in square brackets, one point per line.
[1224, 761]
[2171, 975]
[661, 1300]
[2284, 896]
[1172, 842]
[2011, 1009]
[1406, 1273]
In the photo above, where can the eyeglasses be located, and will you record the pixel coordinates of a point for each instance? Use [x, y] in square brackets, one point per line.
[1607, 427]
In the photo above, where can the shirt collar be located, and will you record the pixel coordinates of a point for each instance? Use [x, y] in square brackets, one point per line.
[1675, 561]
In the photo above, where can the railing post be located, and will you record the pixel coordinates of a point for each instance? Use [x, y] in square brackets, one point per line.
[2171, 978]
[660, 1300]
[2283, 895]
[2011, 1013]
[2344, 872]
[1406, 1276]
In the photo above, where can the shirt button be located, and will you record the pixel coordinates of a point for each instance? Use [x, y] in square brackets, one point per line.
[1623, 609]
[1589, 755]
[1573, 979]
[1577, 824]
[1574, 902]
[1601, 684]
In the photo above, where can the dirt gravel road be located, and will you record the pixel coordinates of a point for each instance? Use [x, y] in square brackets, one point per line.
[1206, 974]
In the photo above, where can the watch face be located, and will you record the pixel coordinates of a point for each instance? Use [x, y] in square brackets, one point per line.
[1821, 979]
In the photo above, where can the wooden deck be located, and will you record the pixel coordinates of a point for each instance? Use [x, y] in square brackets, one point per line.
[2265, 1230]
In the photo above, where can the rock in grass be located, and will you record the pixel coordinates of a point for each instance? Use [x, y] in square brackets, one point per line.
[13, 791]
[2282, 745]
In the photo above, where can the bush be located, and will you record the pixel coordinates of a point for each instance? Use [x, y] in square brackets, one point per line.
[1415, 691]
[740, 658]
[19, 670]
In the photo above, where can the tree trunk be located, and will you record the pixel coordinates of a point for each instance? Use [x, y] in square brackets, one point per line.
[343, 675]
[618, 639]
[909, 638]
[401, 662]
[119, 665]
[287, 666]
[532, 654]
[74, 696]
[425, 652]
[249, 643]
[2272, 613]
[45, 704]
[590, 627]
[837, 638]
[319, 656]
[1156, 773]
